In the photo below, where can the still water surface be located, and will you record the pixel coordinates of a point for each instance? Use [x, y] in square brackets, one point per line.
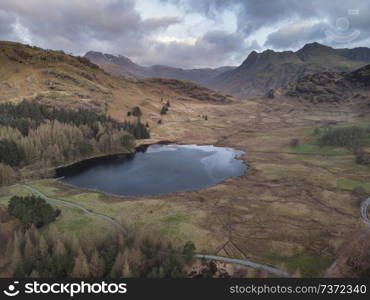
[161, 169]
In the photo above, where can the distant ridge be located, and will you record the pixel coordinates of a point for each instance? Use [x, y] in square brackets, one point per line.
[121, 65]
[261, 72]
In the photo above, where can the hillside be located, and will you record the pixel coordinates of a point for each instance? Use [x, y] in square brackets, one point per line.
[332, 87]
[58, 79]
[261, 72]
[121, 65]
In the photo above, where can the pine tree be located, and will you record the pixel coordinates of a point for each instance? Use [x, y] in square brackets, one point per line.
[7, 175]
[29, 248]
[59, 248]
[74, 244]
[34, 274]
[120, 241]
[96, 265]
[9, 248]
[42, 246]
[118, 265]
[16, 254]
[81, 268]
[52, 234]
[35, 235]
[126, 270]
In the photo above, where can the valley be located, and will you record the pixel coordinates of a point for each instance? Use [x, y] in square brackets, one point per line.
[295, 208]
[307, 194]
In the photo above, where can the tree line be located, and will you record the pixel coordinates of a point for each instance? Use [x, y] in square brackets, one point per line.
[31, 251]
[51, 253]
[29, 115]
[42, 137]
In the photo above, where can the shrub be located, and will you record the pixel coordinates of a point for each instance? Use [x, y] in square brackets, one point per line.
[294, 142]
[136, 111]
[360, 193]
[188, 250]
[32, 210]
[316, 131]
[164, 110]
[128, 141]
[362, 157]
[351, 137]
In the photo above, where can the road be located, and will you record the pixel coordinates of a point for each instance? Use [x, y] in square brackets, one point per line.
[245, 263]
[364, 210]
[200, 256]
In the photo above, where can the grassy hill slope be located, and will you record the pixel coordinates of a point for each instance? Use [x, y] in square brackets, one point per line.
[58, 79]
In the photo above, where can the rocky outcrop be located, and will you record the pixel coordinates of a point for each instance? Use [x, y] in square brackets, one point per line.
[332, 87]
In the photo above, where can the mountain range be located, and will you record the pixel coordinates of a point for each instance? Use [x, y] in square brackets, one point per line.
[315, 72]
[258, 74]
[121, 65]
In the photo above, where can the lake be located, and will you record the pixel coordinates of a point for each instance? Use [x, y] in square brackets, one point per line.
[158, 169]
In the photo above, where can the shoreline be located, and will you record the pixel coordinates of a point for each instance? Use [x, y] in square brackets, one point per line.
[139, 148]
[61, 172]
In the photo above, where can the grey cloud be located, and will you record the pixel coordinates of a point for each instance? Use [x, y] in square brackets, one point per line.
[295, 36]
[214, 48]
[117, 27]
[6, 27]
[72, 25]
[158, 23]
[253, 15]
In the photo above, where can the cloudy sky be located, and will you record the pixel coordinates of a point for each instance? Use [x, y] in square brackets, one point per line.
[184, 33]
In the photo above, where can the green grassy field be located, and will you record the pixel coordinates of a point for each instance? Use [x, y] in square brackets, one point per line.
[171, 220]
[303, 263]
[310, 142]
[313, 147]
[348, 184]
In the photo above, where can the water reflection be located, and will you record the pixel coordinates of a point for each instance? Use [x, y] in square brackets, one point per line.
[161, 169]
